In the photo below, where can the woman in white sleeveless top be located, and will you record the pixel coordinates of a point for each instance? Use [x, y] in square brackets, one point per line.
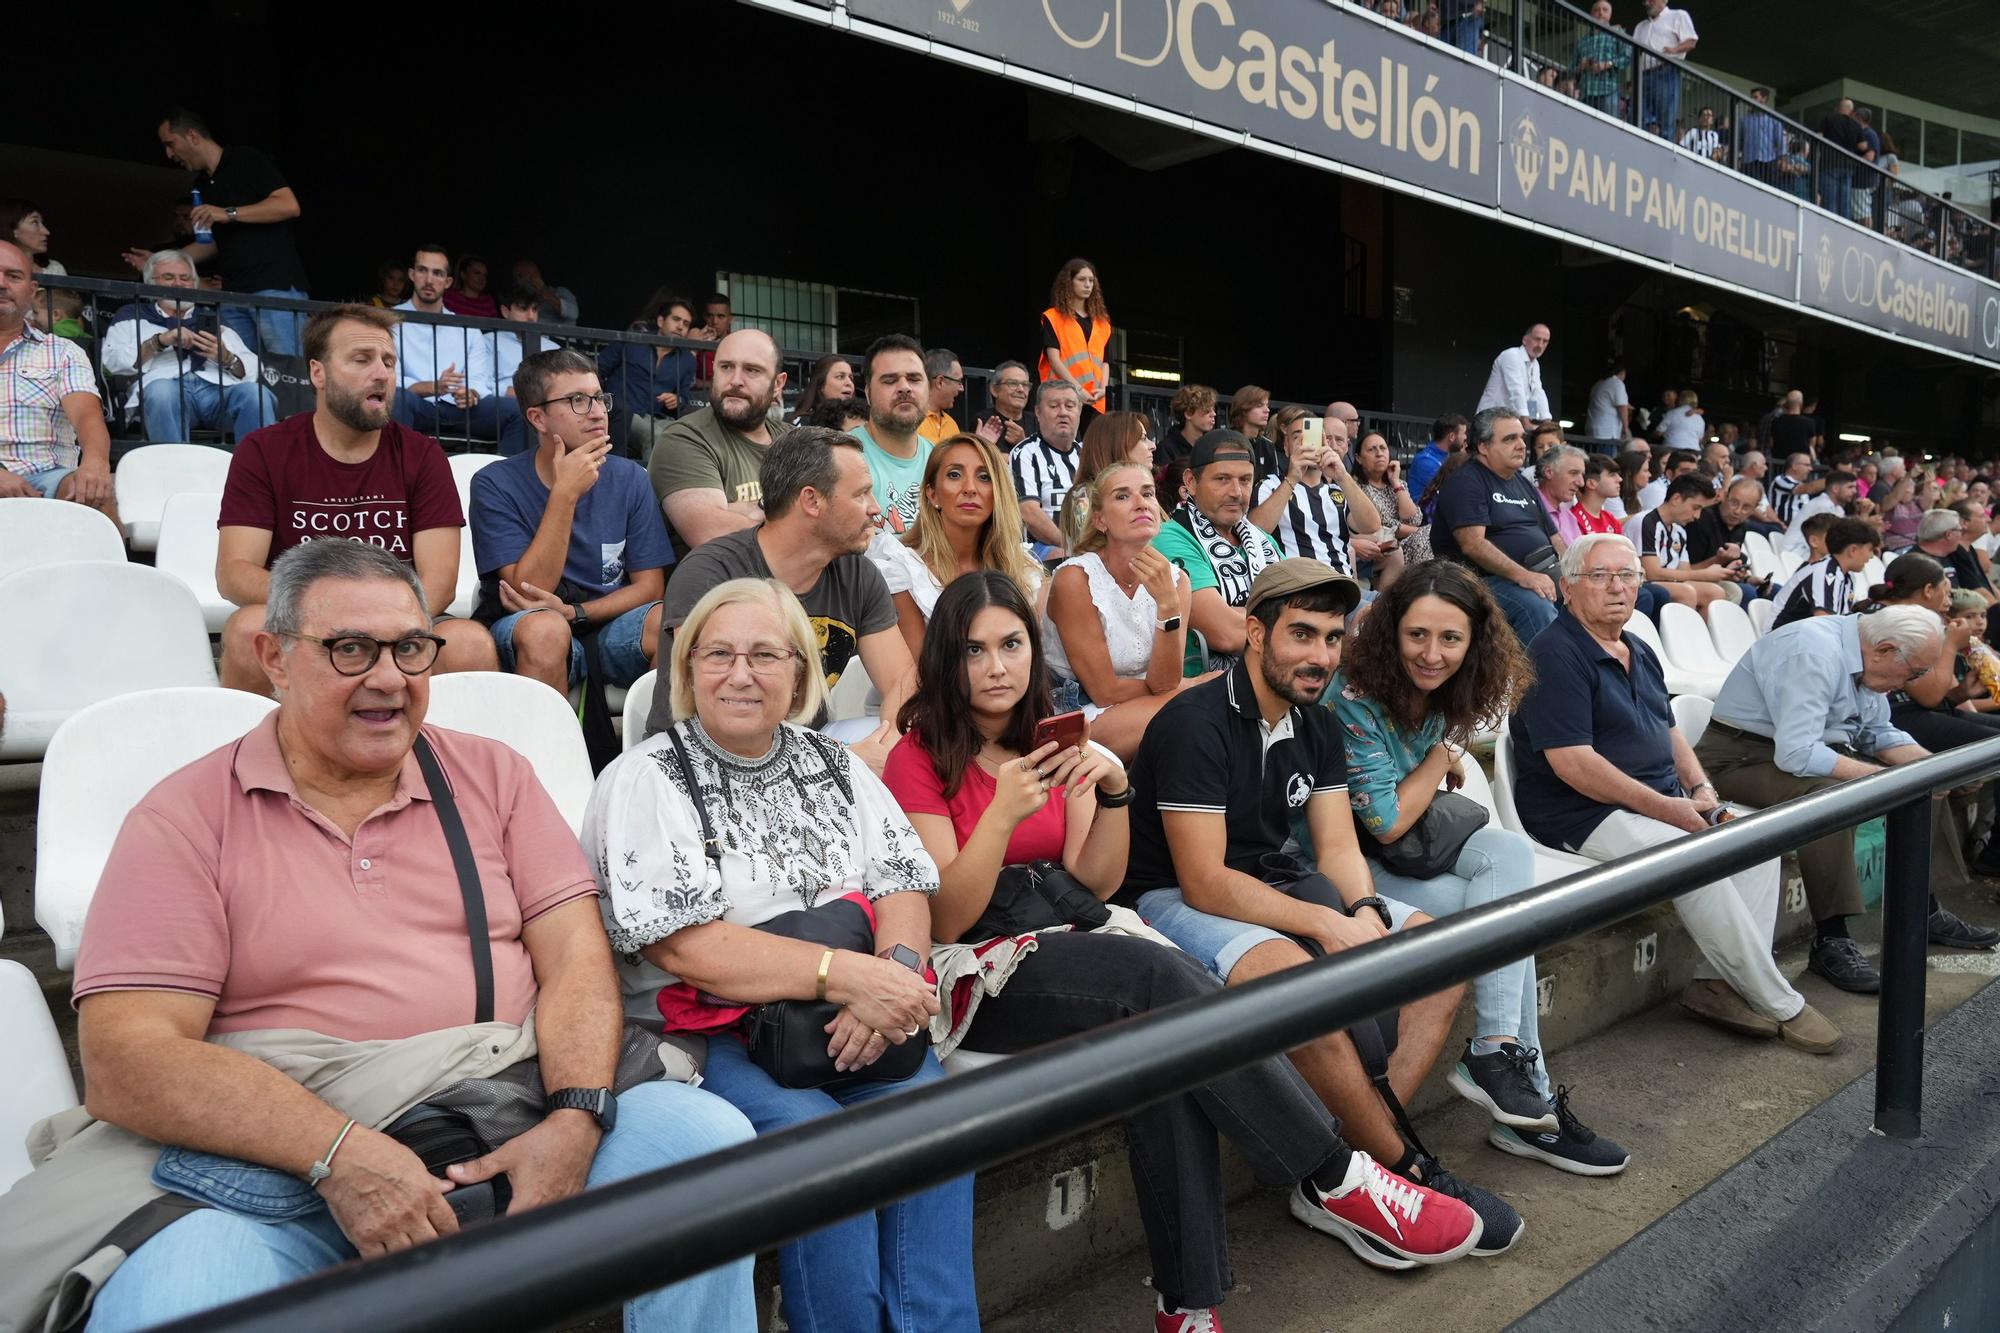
[1116, 621]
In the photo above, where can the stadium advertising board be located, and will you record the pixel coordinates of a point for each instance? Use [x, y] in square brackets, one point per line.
[1862, 277]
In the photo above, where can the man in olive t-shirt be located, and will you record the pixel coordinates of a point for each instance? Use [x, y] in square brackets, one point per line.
[704, 467]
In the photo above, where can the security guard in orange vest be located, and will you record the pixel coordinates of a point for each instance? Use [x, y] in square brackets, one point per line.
[1076, 334]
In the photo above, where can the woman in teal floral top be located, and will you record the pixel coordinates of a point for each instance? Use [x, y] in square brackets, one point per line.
[1431, 663]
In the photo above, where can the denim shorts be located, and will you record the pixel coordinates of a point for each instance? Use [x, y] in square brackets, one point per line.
[47, 480]
[1218, 943]
[620, 643]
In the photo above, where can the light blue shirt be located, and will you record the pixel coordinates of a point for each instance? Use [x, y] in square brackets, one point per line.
[424, 350]
[1801, 686]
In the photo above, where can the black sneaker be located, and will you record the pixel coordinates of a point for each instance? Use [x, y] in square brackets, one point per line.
[1574, 1148]
[1504, 1084]
[1950, 930]
[1841, 961]
[1501, 1226]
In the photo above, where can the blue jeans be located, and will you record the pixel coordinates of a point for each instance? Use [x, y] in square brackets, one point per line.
[1527, 612]
[1605, 102]
[621, 645]
[170, 408]
[1494, 864]
[495, 417]
[211, 1258]
[268, 332]
[1466, 31]
[1836, 185]
[904, 1268]
[1662, 100]
[47, 479]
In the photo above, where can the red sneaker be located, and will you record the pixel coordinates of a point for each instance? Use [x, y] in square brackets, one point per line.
[1185, 1321]
[1387, 1220]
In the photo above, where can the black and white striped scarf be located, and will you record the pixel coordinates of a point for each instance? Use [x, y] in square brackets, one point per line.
[1236, 565]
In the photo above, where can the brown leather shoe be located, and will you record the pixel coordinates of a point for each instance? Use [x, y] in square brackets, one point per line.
[1717, 1002]
[1811, 1031]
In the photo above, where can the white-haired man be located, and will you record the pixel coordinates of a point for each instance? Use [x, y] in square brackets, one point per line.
[193, 371]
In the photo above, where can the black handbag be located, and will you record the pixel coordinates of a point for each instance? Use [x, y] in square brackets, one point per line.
[1543, 560]
[787, 1039]
[1430, 847]
[1040, 895]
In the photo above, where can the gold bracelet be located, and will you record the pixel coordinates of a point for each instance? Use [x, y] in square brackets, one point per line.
[825, 966]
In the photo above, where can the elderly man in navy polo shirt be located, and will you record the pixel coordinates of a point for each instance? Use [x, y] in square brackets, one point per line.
[1489, 518]
[1604, 772]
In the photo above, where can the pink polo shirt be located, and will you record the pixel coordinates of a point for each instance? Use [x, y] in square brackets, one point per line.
[223, 883]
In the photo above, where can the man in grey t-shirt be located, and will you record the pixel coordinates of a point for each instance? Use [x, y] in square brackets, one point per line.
[820, 511]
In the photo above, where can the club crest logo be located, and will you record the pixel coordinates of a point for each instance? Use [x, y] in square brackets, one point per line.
[961, 5]
[1824, 264]
[1525, 144]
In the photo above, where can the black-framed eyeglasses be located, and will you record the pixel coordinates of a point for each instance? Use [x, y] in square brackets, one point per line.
[959, 380]
[357, 654]
[579, 403]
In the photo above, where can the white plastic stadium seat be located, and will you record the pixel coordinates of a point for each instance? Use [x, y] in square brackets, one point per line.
[638, 703]
[1757, 553]
[1872, 573]
[38, 1081]
[463, 468]
[1729, 628]
[100, 763]
[524, 714]
[84, 631]
[188, 541]
[1691, 715]
[1762, 612]
[1551, 863]
[151, 474]
[1678, 682]
[849, 699]
[35, 532]
[1693, 651]
[1788, 565]
[962, 1061]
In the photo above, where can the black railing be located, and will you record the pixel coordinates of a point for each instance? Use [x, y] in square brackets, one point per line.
[591, 1251]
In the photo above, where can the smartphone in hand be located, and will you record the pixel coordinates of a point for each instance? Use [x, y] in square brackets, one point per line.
[1066, 729]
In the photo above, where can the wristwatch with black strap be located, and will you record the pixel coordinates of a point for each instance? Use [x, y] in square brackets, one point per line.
[1375, 901]
[601, 1103]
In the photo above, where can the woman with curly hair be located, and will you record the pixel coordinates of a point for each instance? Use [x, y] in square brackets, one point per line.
[1076, 335]
[1433, 663]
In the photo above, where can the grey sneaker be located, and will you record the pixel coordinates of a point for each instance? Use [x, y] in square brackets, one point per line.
[1504, 1084]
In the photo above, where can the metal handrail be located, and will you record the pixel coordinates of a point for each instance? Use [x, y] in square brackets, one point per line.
[593, 1250]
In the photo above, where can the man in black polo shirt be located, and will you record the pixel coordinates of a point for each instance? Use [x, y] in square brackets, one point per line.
[1601, 770]
[1489, 518]
[1223, 770]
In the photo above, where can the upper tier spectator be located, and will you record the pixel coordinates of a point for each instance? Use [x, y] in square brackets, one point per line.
[1076, 334]
[1837, 169]
[1663, 547]
[1559, 477]
[987, 803]
[189, 370]
[1761, 140]
[568, 538]
[798, 823]
[1380, 477]
[1610, 413]
[1044, 464]
[1489, 517]
[1115, 437]
[1117, 614]
[832, 377]
[22, 223]
[1312, 506]
[656, 383]
[1701, 138]
[1603, 771]
[1601, 62]
[1465, 24]
[1515, 382]
[248, 207]
[947, 382]
[820, 502]
[1669, 32]
[392, 284]
[1805, 709]
[52, 437]
[250, 986]
[1836, 498]
[968, 520]
[558, 303]
[1193, 409]
[894, 378]
[60, 313]
[1426, 670]
[448, 381]
[1448, 437]
[1210, 538]
[1223, 775]
[470, 292]
[1683, 426]
[343, 471]
[1009, 389]
[705, 467]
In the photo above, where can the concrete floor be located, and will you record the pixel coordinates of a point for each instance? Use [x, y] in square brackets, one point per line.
[1688, 1100]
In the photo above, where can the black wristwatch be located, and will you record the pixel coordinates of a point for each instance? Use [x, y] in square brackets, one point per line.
[1378, 903]
[904, 954]
[230, 213]
[1123, 798]
[578, 618]
[600, 1102]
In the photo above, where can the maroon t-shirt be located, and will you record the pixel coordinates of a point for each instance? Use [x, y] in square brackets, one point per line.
[281, 480]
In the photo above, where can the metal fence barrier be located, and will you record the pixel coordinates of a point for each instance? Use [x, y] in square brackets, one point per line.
[596, 1249]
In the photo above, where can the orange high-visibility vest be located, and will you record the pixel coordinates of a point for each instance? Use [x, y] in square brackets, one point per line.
[1085, 360]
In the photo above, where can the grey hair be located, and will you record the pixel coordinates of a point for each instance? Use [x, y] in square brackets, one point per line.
[1006, 366]
[1749, 454]
[159, 257]
[1938, 523]
[1908, 629]
[1578, 554]
[298, 569]
[1486, 423]
[1745, 481]
[1561, 453]
[939, 361]
[1057, 386]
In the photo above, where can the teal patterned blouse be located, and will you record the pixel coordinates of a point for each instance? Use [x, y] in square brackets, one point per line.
[1381, 752]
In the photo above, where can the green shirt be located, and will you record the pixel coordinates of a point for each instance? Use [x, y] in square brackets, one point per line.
[1177, 544]
[699, 452]
[899, 482]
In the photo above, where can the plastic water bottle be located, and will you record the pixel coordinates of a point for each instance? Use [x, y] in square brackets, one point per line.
[202, 234]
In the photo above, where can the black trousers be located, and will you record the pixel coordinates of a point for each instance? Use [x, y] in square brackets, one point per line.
[1075, 982]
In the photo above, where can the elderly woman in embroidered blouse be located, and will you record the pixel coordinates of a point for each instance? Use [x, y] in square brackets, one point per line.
[799, 822]
[1432, 663]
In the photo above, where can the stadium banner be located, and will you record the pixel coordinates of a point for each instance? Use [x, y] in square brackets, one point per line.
[1863, 277]
[1575, 171]
[1303, 73]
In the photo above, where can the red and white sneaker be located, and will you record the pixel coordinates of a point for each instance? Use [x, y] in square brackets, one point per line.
[1184, 1321]
[1387, 1220]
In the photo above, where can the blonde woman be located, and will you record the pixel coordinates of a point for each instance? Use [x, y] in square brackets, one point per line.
[1115, 437]
[970, 519]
